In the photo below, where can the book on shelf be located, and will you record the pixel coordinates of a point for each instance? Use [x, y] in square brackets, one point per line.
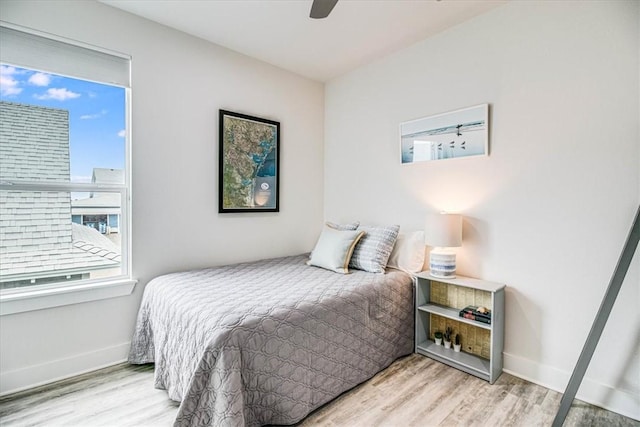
[478, 311]
[481, 319]
[475, 313]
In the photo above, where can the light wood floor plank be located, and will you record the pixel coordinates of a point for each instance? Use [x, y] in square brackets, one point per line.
[413, 391]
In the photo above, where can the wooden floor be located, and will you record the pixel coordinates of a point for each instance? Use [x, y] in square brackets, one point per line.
[413, 391]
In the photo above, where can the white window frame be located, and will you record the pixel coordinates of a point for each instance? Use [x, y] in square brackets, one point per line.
[38, 297]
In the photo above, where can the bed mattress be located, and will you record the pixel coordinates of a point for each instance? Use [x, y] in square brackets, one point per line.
[270, 341]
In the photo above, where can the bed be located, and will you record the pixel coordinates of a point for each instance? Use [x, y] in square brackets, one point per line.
[270, 341]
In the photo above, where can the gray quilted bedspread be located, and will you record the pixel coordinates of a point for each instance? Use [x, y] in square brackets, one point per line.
[270, 341]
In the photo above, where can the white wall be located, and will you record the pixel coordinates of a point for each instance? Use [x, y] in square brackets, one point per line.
[548, 211]
[179, 83]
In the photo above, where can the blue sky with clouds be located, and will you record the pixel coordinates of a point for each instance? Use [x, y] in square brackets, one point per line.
[96, 115]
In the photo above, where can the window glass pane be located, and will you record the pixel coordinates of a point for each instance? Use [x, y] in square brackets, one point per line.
[45, 237]
[58, 134]
[56, 128]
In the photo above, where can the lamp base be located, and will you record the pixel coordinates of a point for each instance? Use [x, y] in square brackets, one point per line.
[442, 264]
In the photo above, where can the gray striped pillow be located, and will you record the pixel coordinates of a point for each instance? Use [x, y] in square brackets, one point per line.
[373, 250]
[350, 226]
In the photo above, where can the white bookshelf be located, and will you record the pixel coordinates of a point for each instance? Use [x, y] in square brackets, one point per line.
[489, 368]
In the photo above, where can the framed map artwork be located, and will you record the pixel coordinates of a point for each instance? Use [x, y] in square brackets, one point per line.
[249, 163]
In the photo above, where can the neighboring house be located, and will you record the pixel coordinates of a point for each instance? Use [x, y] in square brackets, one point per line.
[101, 211]
[38, 242]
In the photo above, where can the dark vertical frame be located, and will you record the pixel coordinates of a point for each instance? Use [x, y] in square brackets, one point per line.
[223, 114]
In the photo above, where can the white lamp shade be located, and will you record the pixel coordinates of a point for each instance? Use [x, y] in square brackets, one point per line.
[443, 230]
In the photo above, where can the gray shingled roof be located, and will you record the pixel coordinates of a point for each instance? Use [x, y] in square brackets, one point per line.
[101, 200]
[36, 232]
[81, 256]
[107, 176]
[34, 143]
[90, 240]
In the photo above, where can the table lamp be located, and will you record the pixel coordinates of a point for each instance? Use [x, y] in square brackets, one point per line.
[443, 231]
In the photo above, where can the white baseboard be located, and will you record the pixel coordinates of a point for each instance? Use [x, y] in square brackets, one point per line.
[605, 396]
[602, 395]
[37, 375]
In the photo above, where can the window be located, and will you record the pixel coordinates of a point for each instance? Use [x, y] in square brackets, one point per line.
[64, 158]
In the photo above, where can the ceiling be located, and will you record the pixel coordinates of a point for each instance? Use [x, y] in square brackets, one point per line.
[281, 33]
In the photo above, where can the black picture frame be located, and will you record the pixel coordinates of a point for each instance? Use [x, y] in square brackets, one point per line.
[249, 163]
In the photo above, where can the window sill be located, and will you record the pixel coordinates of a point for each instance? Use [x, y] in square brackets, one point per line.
[64, 295]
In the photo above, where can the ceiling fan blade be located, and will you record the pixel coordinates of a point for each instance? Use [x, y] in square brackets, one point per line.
[322, 8]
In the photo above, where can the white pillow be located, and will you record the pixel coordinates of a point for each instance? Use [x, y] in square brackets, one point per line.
[334, 249]
[408, 252]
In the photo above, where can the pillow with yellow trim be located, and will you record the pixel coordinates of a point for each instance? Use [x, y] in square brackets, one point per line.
[334, 249]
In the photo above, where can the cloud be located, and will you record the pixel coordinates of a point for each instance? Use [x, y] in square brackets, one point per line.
[40, 79]
[93, 116]
[9, 86]
[8, 70]
[59, 94]
[90, 116]
[122, 133]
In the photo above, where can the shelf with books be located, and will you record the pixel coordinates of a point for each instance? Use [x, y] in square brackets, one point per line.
[478, 314]
[451, 313]
[440, 303]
